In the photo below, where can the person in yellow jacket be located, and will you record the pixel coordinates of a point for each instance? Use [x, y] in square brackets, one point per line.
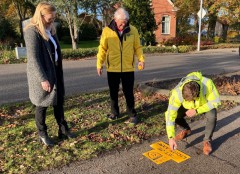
[118, 44]
[194, 95]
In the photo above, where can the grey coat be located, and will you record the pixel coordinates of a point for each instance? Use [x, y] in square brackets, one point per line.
[41, 67]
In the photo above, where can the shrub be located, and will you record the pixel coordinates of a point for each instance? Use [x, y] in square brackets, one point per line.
[9, 57]
[207, 42]
[156, 49]
[66, 39]
[79, 53]
[88, 32]
[62, 31]
[6, 30]
[149, 38]
[186, 39]
[186, 48]
[216, 39]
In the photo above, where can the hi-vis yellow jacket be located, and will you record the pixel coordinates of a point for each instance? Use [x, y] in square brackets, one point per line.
[119, 56]
[207, 100]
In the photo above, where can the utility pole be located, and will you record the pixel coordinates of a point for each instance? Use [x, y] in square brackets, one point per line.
[200, 23]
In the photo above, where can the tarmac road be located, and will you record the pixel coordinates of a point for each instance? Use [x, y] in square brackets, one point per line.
[81, 76]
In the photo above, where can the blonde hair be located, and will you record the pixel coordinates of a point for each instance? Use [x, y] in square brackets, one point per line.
[42, 8]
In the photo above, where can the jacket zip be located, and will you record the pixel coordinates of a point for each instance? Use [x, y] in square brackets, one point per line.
[121, 48]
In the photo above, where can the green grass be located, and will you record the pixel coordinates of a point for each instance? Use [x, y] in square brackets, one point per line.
[82, 44]
[20, 151]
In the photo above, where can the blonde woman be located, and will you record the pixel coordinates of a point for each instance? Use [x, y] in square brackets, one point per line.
[44, 70]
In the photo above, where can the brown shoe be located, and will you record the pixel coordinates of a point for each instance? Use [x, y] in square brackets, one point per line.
[182, 135]
[207, 148]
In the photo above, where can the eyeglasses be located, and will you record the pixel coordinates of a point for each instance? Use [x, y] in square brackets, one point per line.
[49, 17]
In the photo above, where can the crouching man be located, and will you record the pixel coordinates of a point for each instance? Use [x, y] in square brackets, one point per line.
[194, 95]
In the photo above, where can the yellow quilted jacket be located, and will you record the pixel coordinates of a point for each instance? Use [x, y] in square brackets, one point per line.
[119, 56]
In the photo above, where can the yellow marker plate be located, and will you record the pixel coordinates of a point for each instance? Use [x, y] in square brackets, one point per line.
[157, 156]
[175, 155]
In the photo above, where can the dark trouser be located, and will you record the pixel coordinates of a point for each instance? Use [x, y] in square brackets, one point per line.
[40, 117]
[40, 113]
[127, 79]
[210, 122]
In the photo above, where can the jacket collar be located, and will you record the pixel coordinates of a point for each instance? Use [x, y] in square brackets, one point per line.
[113, 26]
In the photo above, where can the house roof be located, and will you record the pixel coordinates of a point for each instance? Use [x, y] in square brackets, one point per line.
[170, 2]
[174, 8]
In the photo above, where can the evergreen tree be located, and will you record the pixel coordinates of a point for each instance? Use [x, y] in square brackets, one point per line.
[142, 17]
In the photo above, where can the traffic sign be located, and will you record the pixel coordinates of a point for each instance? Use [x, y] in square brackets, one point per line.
[203, 13]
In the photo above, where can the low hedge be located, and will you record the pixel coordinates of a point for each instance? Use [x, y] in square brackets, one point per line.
[79, 53]
[9, 57]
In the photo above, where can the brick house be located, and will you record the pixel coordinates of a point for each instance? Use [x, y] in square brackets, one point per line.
[165, 16]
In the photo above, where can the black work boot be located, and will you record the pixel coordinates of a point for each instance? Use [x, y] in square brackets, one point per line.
[65, 135]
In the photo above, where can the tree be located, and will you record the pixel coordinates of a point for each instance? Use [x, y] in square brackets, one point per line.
[69, 11]
[142, 17]
[103, 8]
[228, 13]
[6, 30]
[187, 11]
[212, 18]
[23, 9]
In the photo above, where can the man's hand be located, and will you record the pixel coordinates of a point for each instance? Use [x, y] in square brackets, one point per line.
[191, 112]
[141, 65]
[99, 71]
[46, 86]
[172, 144]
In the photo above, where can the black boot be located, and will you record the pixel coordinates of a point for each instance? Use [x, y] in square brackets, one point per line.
[46, 140]
[132, 120]
[66, 134]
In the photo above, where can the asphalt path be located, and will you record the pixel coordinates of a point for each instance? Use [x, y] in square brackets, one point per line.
[81, 76]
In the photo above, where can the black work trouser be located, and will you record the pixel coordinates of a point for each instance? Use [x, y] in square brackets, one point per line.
[211, 119]
[127, 80]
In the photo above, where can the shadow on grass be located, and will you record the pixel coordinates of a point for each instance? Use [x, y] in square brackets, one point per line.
[15, 117]
[144, 112]
[152, 109]
[84, 103]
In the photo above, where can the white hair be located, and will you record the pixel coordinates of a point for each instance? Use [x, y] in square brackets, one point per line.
[121, 14]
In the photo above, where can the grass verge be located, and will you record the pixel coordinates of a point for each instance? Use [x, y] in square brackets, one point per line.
[20, 151]
[81, 44]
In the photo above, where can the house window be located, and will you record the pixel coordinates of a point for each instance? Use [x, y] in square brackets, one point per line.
[165, 25]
